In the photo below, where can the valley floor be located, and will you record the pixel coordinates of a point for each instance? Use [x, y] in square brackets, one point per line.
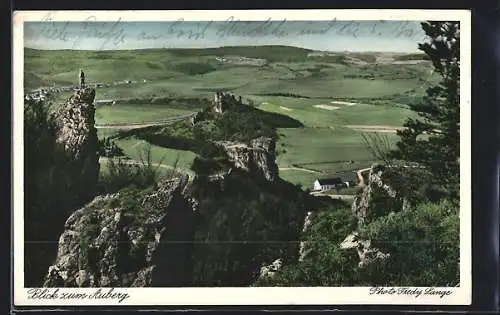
[339, 100]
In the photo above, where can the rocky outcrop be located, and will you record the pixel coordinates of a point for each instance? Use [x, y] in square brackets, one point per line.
[112, 243]
[77, 133]
[366, 252]
[258, 157]
[378, 198]
[269, 271]
[77, 124]
[65, 177]
[304, 249]
[165, 238]
[390, 189]
[377, 188]
[224, 102]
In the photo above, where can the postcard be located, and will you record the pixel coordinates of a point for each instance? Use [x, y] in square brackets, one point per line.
[254, 157]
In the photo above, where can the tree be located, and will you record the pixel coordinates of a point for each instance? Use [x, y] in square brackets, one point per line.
[433, 139]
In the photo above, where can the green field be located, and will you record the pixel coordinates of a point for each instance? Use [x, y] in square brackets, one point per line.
[361, 114]
[305, 179]
[289, 83]
[324, 149]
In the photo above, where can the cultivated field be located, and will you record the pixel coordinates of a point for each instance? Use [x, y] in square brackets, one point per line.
[337, 98]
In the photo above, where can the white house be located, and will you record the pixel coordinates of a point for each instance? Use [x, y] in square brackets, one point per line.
[328, 183]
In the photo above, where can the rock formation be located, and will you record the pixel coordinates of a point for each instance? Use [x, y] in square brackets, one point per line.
[366, 252]
[221, 103]
[270, 270]
[169, 235]
[304, 249]
[65, 179]
[376, 185]
[106, 244]
[225, 101]
[258, 157]
[77, 132]
[387, 191]
[76, 121]
[369, 204]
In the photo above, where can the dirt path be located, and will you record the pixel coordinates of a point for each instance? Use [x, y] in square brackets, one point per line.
[360, 176]
[375, 128]
[297, 169]
[126, 126]
[327, 107]
[132, 125]
[333, 196]
[343, 103]
[280, 106]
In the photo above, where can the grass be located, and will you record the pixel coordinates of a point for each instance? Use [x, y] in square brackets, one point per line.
[361, 114]
[106, 133]
[305, 179]
[324, 149]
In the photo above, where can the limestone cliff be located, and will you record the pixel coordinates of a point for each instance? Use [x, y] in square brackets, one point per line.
[390, 189]
[199, 233]
[77, 133]
[258, 157]
[107, 243]
[217, 230]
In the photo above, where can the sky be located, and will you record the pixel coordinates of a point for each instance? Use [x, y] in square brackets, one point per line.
[356, 36]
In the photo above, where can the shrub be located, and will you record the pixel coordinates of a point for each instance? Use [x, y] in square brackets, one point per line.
[109, 148]
[423, 243]
[122, 173]
[326, 264]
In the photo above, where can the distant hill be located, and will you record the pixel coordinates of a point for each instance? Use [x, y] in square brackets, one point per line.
[221, 67]
[273, 53]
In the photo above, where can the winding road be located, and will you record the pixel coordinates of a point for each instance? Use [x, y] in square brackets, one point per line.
[129, 126]
[343, 197]
[360, 176]
[297, 169]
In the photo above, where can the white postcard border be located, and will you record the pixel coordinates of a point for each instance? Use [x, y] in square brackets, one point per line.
[250, 296]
